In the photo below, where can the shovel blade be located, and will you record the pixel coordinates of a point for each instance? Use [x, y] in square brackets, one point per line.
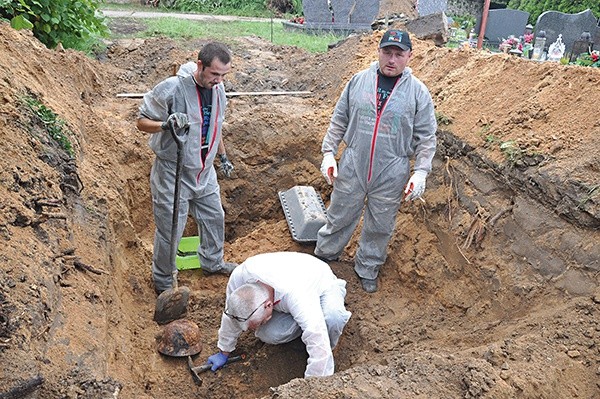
[171, 305]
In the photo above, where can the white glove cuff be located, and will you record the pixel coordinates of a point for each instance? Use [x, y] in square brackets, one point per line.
[328, 154]
[420, 173]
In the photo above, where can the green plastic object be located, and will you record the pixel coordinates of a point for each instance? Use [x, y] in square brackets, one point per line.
[187, 256]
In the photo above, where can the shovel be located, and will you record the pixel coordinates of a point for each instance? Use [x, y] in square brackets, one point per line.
[172, 304]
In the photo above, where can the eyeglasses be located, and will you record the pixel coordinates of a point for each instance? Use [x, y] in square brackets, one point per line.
[244, 319]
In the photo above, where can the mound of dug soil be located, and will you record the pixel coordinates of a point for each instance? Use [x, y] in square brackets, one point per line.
[490, 289]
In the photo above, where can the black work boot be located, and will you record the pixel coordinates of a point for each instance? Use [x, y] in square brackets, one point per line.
[368, 284]
[225, 269]
[326, 260]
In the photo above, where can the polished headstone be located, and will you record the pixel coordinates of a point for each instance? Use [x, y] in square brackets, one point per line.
[570, 26]
[503, 23]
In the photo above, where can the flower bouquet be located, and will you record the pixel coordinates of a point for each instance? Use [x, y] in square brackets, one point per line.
[589, 59]
[508, 44]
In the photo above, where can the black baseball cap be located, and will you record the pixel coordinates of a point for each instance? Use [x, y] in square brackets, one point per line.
[398, 38]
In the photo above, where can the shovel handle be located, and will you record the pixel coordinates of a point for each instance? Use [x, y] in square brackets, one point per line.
[179, 140]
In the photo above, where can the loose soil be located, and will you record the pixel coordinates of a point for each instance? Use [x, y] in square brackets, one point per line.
[490, 289]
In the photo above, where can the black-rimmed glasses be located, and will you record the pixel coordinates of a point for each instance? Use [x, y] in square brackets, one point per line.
[244, 319]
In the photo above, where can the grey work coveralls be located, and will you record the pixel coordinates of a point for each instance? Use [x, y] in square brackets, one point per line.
[199, 193]
[374, 167]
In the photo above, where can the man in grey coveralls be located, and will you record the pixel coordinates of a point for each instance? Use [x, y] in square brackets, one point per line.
[196, 101]
[385, 116]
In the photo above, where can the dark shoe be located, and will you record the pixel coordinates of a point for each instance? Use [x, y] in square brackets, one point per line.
[369, 284]
[225, 270]
[324, 259]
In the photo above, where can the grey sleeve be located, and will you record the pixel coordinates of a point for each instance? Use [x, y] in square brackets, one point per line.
[424, 131]
[339, 123]
[157, 103]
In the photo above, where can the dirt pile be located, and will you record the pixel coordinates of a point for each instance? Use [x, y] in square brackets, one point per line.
[490, 288]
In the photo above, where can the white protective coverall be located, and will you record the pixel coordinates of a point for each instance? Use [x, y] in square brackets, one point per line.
[375, 165]
[199, 192]
[308, 302]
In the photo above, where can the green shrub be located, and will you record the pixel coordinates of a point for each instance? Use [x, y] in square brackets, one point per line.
[465, 22]
[72, 23]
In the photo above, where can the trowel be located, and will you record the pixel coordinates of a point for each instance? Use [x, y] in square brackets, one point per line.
[172, 304]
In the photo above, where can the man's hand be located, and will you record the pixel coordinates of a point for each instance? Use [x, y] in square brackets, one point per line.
[415, 186]
[329, 167]
[226, 165]
[178, 119]
[217, 360]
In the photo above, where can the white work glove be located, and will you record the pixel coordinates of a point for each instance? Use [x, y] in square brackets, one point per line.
[329, 167]
[226, 166]
[415, 186]
[179, 120]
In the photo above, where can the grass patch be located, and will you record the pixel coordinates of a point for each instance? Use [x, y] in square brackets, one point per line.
[179, 29]
[512, 152]
[54, 126]
[248, 10]
[442, 119]
[592, 192]
[488, 137]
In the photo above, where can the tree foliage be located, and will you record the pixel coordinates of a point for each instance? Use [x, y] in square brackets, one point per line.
[536, 7]
[70, 22]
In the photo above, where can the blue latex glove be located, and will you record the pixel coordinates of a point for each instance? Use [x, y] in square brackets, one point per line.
[217, 360]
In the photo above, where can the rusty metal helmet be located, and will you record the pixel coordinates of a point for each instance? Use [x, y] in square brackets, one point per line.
[179, 338]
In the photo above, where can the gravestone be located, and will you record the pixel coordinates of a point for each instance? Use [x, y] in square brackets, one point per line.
[502, 23]
[427, 7]
[571, 26]
[344, 16]
[316, 11]
[360, 12]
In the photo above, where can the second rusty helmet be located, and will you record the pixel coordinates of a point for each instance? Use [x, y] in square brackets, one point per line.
[179, 338]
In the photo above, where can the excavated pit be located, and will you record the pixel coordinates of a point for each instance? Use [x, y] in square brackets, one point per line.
[490, 288]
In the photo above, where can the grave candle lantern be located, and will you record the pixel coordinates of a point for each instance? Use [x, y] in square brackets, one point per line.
[538, 46]
[527, 42]
[583, 45]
